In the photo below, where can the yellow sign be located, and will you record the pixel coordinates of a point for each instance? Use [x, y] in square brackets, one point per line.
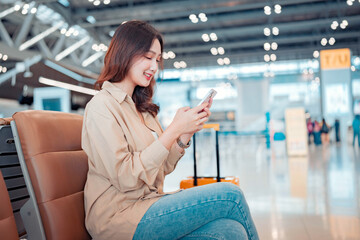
[335, 58]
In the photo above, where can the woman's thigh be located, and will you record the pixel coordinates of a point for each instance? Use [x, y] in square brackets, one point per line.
[223, 228]
[176, 215]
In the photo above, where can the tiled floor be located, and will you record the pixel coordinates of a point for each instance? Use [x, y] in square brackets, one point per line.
[315, 197]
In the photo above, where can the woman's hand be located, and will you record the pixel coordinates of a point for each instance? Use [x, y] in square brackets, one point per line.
[186, 122]
[189, 121]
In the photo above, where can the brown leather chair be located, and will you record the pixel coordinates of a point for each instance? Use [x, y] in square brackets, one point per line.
[8, 229]
[55, 170]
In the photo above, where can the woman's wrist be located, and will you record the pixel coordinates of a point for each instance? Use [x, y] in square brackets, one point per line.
[185, 138]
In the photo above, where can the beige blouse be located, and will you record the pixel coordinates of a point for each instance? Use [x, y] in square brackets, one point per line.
[127, 165]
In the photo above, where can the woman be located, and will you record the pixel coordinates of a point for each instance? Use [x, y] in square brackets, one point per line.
[325, 138]
[130, 155]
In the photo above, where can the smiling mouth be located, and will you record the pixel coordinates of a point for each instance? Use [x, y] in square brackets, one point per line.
[148, 76]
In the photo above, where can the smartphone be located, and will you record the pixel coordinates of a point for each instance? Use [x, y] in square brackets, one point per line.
[210, 95]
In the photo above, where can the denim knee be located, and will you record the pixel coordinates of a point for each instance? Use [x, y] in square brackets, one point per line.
[232, 192]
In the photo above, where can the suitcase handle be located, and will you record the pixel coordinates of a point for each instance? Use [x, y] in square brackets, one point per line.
[216, 127]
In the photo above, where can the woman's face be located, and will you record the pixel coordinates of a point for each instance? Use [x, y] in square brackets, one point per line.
[144, 67]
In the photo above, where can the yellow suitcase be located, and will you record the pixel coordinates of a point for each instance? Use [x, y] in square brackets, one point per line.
[194, 181]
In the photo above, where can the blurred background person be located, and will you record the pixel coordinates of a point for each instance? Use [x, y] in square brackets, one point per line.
[325, 129]
[317, 133]
[337, 130]
[356, 129]
[310, 129]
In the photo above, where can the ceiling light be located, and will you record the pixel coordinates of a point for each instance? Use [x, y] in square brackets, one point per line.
[176, 65]
[24, 11]
[267, 46]
[71, 30]
[204, 19]
[316, 54]
[5, 57]
[226, 61]
[273, 57]
[277, 9]
[202, 15]
[267, 10]
[205, 37]
[26, 6]
[97, 2]
[266, 58]
[33, 10]
[220, 61]
[63, 31]
[221, 50]
[275, 31]
[274, 46]
[71, 87]
[267, 31]
[333, 26]
[353, 68]
[106, 2]
[171, 54]
[213, 51]
[17, 7]
[182, 64]
[165, 55]
[213, 36]
[192, 16]
[331, 41]
[345, 22]
[195, 20]
[4, 69]
[103, 47]
[342, 25]
[92, 59]
[335, 23]
[95, 47]
[349, 2]
[323, 41]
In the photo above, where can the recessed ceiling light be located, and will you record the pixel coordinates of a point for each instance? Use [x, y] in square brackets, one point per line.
[221, 50]
[267, 31]
[316, 54]
[275, 31]
[213, 51]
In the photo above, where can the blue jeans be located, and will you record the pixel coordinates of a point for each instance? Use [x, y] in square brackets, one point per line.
[214, 211]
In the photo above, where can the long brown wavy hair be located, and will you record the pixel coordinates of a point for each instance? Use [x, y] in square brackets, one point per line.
[131, 39]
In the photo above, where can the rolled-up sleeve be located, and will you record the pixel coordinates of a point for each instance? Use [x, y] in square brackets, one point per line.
[110, 150]
[172, 159]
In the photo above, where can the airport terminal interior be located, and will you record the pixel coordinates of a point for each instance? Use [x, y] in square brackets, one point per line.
[287, 76]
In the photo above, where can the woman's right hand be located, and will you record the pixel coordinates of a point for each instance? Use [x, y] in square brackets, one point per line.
[190, 120]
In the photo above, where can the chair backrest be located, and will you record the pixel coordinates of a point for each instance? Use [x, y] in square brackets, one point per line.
[55, 170]
[8, 229]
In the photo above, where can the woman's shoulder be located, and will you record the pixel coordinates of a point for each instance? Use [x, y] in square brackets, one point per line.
[101, 99]
[102, 103]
